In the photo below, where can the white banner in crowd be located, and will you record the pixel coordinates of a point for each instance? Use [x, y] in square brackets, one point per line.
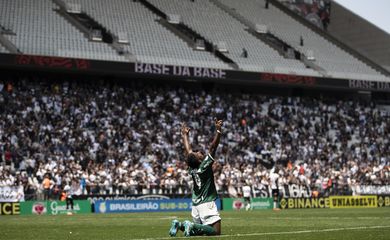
[11, 194]
[286, 191]
[375, 190]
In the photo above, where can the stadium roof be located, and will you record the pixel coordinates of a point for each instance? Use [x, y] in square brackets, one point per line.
[374, 11]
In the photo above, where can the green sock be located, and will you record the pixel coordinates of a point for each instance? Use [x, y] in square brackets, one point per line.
[200, 229]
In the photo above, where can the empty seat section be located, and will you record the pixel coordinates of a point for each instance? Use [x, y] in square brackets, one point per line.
[41, 31]
[149, 41]
[216, 25]
[3, 49]
[333, 59]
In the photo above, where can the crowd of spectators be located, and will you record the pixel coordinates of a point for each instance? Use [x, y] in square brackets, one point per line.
[119, 138]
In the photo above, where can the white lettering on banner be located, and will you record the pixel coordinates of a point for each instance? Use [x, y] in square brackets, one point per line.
[287, 191]
[209, 73]
[383, 86]
[295, 191]
[11, 194]
[152, 197]
[261, 191]
[370, 85]
[260, 204]
[151, 68]
[133, 206]
[298, 191]
[55, 209]
[125, 197]
[182, 71]
[361, 84]
[375, 190]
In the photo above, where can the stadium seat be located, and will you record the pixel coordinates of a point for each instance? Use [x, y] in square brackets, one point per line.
[41, 31]
[2, 49]
[333, 59]
[148, 40]
[199, 14]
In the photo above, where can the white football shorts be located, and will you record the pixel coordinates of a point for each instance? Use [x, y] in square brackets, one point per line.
[205, 213]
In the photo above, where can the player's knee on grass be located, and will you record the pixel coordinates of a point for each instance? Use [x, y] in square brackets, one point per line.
[217, 228]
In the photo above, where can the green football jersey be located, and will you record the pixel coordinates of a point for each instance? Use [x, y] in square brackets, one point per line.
[204, 187]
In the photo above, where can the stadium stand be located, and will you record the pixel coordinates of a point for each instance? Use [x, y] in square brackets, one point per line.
[118, 138]
[149, 41]
[2, 49]
[334, 60]
[41, 31]
[122, 137]
[354, 34]
[199, 14]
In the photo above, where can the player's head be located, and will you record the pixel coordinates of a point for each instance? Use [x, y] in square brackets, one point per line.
[194, 159]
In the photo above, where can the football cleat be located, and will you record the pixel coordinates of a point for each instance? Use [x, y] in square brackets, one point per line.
[187, 228]
[174, 227]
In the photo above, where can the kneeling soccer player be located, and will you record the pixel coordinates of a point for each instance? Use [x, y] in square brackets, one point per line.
[206, 219]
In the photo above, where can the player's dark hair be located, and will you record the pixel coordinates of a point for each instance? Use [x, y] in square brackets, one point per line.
[192, 161]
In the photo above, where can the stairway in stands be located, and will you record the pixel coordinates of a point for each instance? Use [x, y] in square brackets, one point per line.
[190, 36]
[283, 48]
[5, 43]
[91, 28]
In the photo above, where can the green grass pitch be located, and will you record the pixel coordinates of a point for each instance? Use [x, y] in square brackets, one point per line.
[302, 224]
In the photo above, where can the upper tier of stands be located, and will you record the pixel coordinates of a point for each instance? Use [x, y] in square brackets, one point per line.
[334, 60]
[40, 30]
[2, 49]
[149, 41]
[216, 25]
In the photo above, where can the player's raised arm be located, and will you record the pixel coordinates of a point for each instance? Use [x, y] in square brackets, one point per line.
[217, 137]
[184, 134]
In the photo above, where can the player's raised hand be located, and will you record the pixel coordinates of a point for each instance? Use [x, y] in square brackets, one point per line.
[184, 129]
[218, 124]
